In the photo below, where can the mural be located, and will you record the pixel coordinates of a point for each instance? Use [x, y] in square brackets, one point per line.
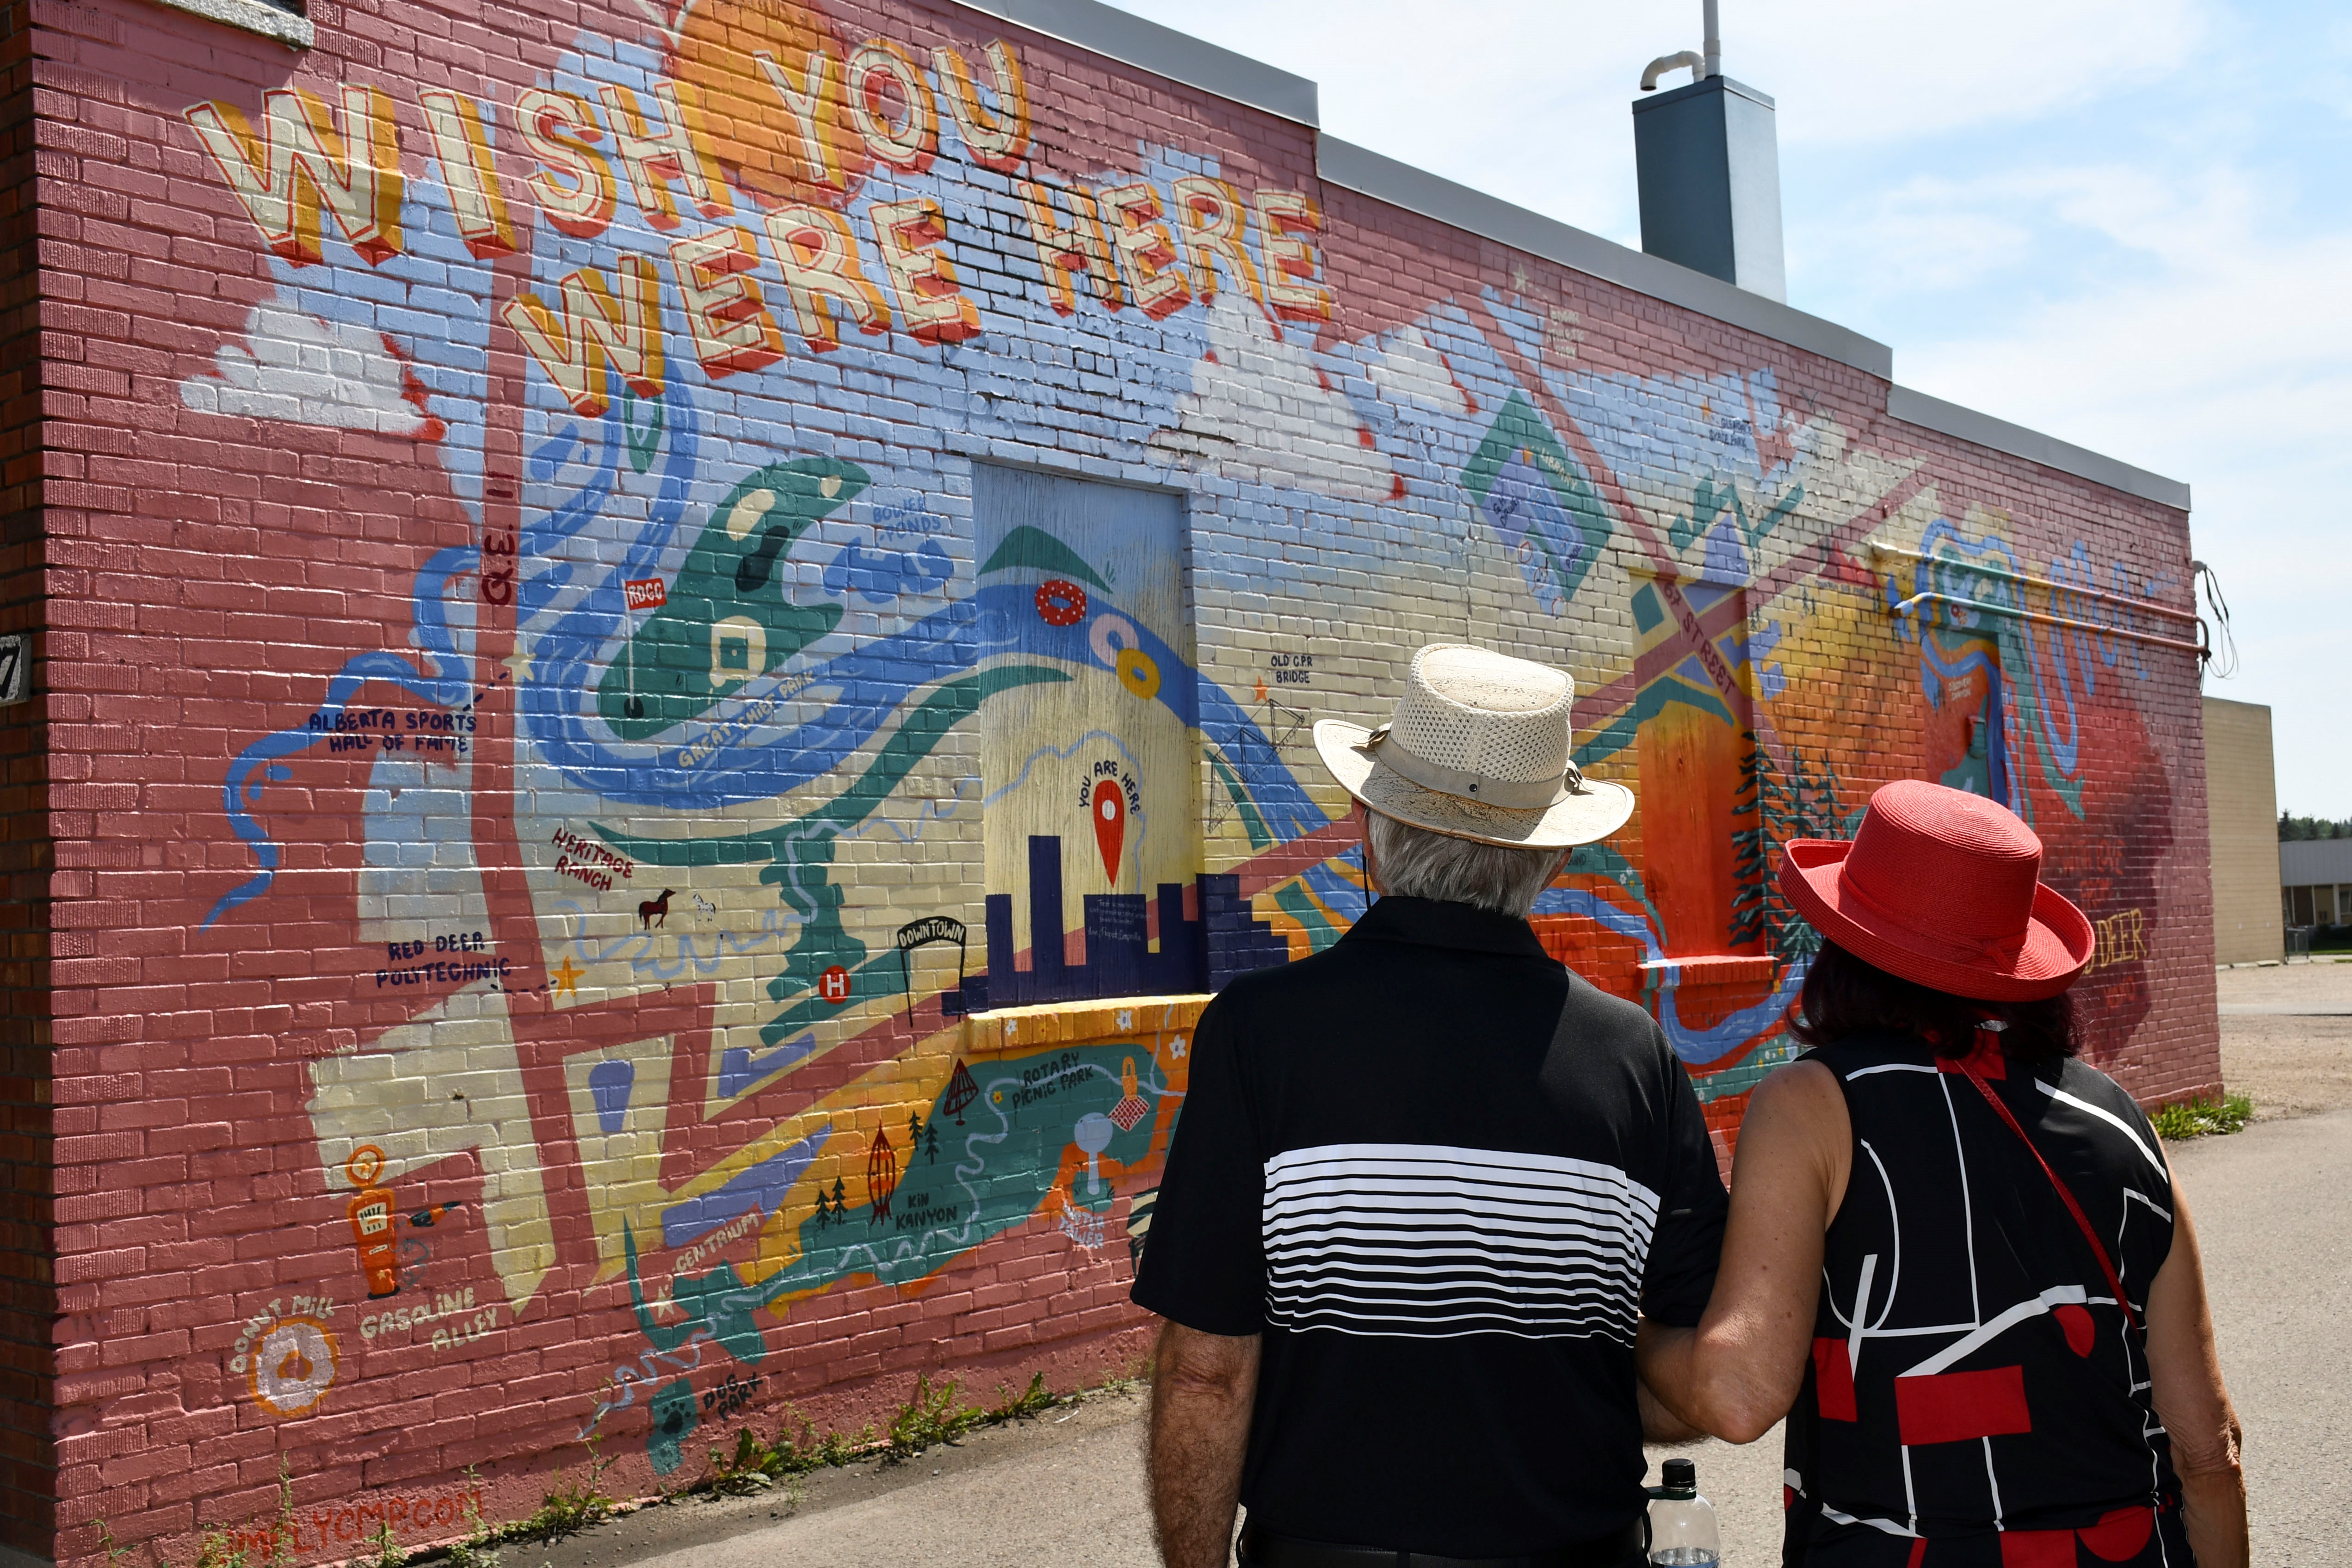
[834, 703]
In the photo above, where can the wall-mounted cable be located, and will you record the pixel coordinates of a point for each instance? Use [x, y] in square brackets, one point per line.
[2222, 652]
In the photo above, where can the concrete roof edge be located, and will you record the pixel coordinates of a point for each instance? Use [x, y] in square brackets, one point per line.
[1951, 419]
[1416, 190]
[1177, 56]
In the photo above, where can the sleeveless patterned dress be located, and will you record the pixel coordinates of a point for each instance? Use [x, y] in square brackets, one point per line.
[1975, 1398]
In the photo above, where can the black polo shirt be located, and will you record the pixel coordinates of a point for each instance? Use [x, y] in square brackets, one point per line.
[1443, 1177]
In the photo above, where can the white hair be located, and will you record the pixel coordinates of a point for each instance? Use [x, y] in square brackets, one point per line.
[1416, 863]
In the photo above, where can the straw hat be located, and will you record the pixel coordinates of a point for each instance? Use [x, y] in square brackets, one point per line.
[1478, 748]
[1943, 888]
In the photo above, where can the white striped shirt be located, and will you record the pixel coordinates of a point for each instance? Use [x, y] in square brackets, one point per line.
[1421, 1240]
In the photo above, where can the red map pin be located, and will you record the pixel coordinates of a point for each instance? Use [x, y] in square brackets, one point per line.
[1109, 813]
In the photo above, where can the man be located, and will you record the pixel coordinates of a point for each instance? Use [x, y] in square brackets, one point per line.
[1424, 1185]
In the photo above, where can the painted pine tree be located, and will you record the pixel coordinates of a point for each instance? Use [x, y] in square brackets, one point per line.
[1803, 805]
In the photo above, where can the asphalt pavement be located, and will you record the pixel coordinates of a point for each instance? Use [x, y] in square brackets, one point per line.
[2274, 1205]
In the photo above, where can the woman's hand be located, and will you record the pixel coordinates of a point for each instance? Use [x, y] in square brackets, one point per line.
[1738, 1371]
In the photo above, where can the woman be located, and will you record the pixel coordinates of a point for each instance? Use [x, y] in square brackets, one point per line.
[1958, 1249]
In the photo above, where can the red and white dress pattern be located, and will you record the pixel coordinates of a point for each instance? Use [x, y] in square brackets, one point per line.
[1977, 1398]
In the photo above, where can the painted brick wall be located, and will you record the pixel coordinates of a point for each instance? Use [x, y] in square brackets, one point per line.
[547, 672]
[2249, 924]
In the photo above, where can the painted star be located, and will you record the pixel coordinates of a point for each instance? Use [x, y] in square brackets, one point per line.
[517, 663]
[567, 978]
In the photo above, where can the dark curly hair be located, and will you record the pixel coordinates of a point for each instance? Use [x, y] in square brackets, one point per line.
[1844, 996]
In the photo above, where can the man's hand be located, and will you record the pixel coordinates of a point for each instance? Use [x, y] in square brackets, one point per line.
[1202, 1386]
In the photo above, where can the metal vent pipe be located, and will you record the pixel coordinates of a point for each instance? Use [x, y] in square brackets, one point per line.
[1702, 64]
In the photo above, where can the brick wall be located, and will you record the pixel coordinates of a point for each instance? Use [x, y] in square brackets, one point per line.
[27, 1282]
[555, 674]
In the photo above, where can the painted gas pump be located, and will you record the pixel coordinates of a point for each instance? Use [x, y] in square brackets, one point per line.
[372, 1215]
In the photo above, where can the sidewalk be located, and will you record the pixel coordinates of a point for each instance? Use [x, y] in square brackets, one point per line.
[2273, 1207]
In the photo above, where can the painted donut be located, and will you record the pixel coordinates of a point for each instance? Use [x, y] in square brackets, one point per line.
[1061, 603]
[1138, 673]
[293, 1367]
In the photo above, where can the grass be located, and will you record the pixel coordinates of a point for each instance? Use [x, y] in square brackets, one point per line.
[2196, 1118]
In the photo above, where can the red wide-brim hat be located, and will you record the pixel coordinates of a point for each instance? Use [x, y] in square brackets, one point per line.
[1943, 888]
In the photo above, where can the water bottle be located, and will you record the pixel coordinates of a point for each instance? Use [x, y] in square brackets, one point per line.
[1682, 1522]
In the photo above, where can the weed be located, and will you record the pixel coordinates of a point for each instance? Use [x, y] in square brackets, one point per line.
[388, 1551]
[106, 1543]
[1136, 1374]
[475, 1552]
[754, 1467]
[1012, 1406]
[281, 1534]
[567, 1510]
[217, 1551]
[479, 1549]
[934, 1415]
[798, 1453]
[931, 1416]
[2195, 1118]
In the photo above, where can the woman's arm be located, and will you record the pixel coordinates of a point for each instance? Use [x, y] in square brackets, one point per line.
[2185, 1371]
[1738, 1371]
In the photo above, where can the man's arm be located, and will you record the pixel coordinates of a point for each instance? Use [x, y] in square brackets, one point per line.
[1202, 1387]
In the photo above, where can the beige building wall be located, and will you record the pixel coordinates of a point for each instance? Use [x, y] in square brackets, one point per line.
[2242, 813]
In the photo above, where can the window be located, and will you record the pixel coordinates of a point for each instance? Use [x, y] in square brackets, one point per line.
[1088, 767]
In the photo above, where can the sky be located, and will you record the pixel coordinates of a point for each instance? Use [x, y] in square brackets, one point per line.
[2121, 222]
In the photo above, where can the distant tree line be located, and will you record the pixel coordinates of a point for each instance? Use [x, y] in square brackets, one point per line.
[2292, 828]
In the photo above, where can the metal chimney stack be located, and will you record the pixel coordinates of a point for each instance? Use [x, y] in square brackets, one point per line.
[1708, 160]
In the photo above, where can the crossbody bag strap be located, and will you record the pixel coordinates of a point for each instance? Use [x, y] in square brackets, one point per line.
[2065, 1194]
